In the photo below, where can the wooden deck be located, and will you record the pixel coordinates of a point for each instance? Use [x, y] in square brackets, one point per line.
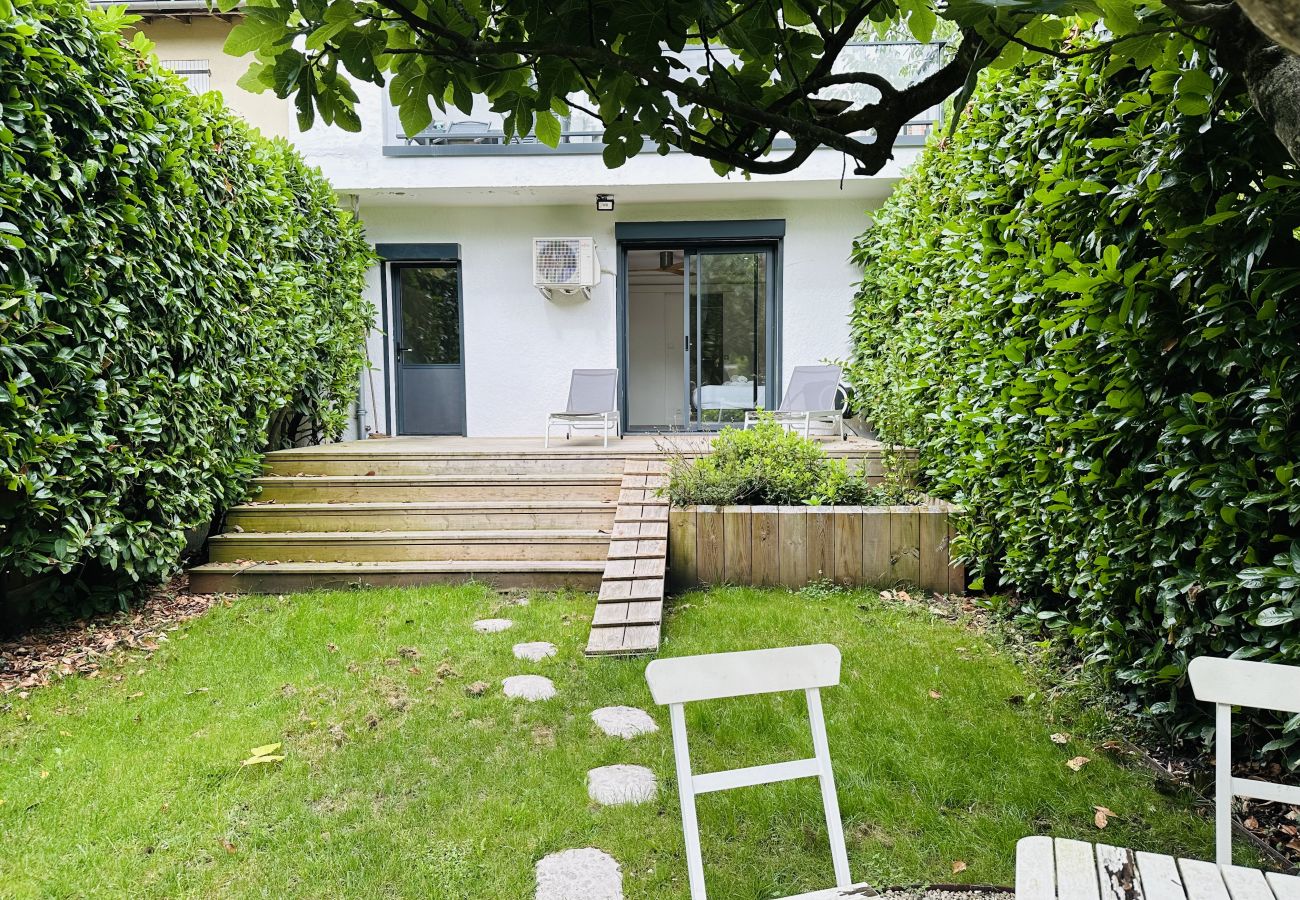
[632, 444]
[506, 511]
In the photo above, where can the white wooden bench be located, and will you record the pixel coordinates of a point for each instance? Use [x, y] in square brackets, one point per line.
[1058, 869]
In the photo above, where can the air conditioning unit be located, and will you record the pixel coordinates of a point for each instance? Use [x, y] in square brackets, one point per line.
[565, 265]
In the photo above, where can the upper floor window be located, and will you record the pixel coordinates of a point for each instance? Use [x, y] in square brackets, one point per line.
[196, 73]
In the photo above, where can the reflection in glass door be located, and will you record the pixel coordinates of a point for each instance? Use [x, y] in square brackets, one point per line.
[727, 295]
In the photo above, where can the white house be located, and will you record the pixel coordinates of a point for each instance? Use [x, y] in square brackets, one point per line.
[707, 290]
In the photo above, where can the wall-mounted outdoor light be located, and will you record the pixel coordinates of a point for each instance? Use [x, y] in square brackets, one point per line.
[605, 202]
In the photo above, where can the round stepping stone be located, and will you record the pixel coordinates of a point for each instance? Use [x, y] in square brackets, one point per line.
[624, 721]
[616, 785]
[587, 874]
[528, 687]
[535, 651]
[492, 626]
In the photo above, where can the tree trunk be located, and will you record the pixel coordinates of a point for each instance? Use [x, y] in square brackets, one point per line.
[1271, 73]
[1279, 19]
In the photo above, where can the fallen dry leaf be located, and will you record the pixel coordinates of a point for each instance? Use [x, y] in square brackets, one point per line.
[958, 866]
[1078, 762]
[1102, 816]
[935, 695]
[1060, 738]
[228, 847]
[261, 755]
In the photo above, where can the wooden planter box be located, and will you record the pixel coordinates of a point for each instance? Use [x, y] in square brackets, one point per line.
[792, 546]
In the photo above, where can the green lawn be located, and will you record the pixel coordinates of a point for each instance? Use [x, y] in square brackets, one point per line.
[396, 783]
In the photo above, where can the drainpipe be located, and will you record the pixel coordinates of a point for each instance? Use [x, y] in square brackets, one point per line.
[354, 207]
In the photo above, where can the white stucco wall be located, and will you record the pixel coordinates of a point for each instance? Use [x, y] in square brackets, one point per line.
[520, 347]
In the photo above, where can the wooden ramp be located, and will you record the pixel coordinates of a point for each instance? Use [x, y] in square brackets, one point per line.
[630, 606]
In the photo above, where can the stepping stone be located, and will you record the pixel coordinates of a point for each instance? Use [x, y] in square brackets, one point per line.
[624, 721]
[492, 626]
[617, 785]
[528, 687]
[587, 874]
[536, 651]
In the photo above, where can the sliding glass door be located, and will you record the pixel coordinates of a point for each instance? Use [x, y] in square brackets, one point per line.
[727, 303]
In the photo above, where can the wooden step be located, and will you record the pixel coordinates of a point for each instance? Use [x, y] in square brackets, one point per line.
[323, 461]
[436, 488]
[490, 515]
[276, 578]
[407, 546]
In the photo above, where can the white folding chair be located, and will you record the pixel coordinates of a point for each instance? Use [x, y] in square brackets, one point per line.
[1236, 682]
[675, 682]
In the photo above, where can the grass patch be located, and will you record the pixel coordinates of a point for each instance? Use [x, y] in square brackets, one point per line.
[398, 783]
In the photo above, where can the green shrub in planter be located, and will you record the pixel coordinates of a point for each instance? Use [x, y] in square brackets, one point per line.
[177, 293]
[770, 465]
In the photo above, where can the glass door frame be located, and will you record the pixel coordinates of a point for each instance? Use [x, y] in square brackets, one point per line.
[774, 248]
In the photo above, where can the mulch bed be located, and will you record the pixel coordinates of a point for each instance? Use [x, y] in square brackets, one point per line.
[51, 652]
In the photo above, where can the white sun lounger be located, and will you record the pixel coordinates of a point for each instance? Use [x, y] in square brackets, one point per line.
[593, 403]
[810, 398]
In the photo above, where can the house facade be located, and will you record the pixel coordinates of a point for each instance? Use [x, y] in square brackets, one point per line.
[704, 292]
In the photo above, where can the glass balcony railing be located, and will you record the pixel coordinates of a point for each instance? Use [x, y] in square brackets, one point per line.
[482, 132]
[151, 9]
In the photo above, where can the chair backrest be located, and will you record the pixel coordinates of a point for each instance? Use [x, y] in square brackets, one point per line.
[592, 391]
[811, 389]
[687, 679]
[1238, 682]
[675, 682]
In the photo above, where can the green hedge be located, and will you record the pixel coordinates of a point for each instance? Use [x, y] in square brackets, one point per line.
[1083, 310]
[177, 293]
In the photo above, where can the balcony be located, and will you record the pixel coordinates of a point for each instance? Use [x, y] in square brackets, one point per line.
[167, 9]
[481, 132]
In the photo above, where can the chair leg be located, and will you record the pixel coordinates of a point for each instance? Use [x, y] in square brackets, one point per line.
[831, 804]
[604, 429]
[546, 442]
[686, 792]
[1223, 785]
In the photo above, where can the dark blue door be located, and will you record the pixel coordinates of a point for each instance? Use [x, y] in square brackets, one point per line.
[430, 367]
